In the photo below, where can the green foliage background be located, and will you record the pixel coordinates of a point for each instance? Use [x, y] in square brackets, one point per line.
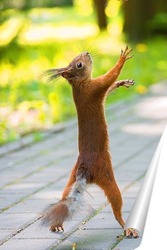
[41, 38]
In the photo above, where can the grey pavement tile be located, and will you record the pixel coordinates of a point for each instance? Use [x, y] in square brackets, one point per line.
[58, 129]
[6, 162]
[30, 206]
[7, 199]
[121, 184]
[48, 194]
[15, 221]
[128, 176]
[25, 244]
[7, 178]
[91, 240]
[127, 205]
[5, 232]
[60, 184]
[128, 244]
[18, 192]
[22, 187]
[37, 231]
[29, 165]
[47, 175]
[103, 220]
[132, 192]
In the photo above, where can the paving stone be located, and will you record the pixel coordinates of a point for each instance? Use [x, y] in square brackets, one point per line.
[4, 233]
[127, 205]
[128, 244]
[37, 231]
[30, 206]
[33, 244]
[14, 221]
[91, 240]
[103, 220]
[49, 174]
[48, 193]
[22, 187]
[7, 199]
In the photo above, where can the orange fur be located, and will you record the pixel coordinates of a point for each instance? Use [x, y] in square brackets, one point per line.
[94, 162]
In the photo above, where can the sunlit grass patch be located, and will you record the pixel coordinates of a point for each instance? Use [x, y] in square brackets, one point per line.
[38, 34]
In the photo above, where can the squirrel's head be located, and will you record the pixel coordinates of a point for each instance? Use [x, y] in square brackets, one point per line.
[79, 70]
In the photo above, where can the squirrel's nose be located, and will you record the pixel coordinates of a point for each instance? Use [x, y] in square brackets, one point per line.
[86, 53]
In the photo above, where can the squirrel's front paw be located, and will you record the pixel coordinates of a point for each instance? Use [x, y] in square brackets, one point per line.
[128, 83]
[125, 53]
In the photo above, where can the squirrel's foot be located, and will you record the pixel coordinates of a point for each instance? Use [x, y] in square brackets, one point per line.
[57, 228]
[131, 232]
[125, 53]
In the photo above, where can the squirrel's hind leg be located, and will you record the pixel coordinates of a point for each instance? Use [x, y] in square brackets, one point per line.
[114, 197]
[113, 194]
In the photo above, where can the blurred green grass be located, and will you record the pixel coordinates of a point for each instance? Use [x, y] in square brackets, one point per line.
[39, 39]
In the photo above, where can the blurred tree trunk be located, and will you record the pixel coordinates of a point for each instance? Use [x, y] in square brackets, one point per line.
[137, 16]
[160, 6]
[100, 11]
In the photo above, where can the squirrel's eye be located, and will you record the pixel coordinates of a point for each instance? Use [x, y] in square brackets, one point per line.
[79, 65]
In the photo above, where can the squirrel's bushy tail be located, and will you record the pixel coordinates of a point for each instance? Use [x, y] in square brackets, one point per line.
[65, 209]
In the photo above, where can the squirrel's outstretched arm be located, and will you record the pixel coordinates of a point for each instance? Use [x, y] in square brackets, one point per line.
[104, 82]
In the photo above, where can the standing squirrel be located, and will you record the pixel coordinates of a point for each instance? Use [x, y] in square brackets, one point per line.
[94, 161]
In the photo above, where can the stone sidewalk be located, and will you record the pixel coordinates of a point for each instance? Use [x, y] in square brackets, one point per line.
[34, 173]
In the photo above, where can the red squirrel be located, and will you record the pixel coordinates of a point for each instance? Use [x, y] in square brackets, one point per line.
[94, 161]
